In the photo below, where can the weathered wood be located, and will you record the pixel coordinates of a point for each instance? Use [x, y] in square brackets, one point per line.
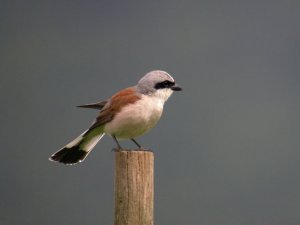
[134, 187]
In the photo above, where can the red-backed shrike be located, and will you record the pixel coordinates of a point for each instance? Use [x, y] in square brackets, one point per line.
[129, 113]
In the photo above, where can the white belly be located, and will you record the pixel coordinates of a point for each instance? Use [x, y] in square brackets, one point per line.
[135, 119]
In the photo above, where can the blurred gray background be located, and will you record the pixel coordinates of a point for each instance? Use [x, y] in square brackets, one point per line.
[227, 148]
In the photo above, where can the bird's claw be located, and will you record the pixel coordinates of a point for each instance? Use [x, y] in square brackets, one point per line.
[117, 149]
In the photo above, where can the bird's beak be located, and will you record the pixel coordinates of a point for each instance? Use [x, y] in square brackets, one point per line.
[176, 88]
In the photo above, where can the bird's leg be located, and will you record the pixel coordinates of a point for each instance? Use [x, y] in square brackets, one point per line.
[137, 144]
[118, 144]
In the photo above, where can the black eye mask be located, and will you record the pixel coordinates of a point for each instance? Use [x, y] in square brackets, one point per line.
[164, 84]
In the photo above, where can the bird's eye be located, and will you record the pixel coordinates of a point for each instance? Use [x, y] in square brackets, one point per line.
[168, 83]
[164, 84]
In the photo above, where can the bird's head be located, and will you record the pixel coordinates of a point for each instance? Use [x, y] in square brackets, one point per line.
[158, 83]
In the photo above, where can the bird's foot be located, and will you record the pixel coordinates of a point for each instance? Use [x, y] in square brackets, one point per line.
[143, 149]
[117, 149]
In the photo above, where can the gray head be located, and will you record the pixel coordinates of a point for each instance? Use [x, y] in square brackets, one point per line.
[158, 83]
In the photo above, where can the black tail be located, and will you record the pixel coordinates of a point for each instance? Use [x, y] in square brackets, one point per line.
[78, 149]
[69, 155]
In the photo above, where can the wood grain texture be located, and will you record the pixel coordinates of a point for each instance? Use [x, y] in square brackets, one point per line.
[134, 187]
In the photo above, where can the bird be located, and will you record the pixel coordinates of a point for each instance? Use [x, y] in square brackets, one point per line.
[129, 113]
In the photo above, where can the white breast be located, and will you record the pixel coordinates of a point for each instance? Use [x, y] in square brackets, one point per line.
[137, 118]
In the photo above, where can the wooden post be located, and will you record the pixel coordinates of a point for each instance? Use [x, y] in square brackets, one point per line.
[134, 187]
